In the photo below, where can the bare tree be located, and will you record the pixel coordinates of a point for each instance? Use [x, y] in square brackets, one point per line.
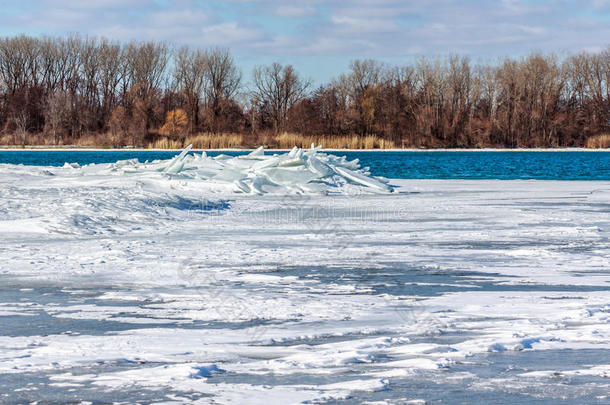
[57, 113]
[365, 74]
[460, 102]
[71, 86]
[190, 75]
[280, 87]
[108, 77]
[223, 79]
[147, 64]
[119, 125]
[20, 120]
[432, 83]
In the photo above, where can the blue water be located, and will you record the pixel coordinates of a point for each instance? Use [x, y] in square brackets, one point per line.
[547, 165]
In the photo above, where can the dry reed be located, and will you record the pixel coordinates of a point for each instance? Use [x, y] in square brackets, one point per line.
[214, 141]
[200, 141]
[598, 141]
[288, 140]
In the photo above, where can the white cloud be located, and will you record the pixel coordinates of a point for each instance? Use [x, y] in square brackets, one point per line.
[601, 4]
[95, 4]
[532, 29]
[169, 18]
[291, 11]
[351, 25]
[265, 29]
[230, 33]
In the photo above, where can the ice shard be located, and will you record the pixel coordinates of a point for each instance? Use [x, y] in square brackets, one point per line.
[298, 171]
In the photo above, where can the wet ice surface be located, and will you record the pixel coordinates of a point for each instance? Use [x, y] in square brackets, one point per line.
[153, 288]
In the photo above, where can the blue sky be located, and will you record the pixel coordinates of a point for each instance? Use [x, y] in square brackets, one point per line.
[320, 37]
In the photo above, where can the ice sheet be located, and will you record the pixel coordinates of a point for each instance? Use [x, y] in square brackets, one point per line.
[157, 285]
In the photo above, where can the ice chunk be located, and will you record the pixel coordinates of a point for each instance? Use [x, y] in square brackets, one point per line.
[289, 177]
[359, 178]
[318, 167]
[176, 164]
[301, 171]
[296, 161]
[256, 154]
[293, 152]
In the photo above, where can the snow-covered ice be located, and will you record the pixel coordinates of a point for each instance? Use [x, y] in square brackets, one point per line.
[299, 277]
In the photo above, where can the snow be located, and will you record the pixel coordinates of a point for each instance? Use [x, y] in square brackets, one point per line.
[172, 279]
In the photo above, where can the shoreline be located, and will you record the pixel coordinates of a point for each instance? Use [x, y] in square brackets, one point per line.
[77, 149]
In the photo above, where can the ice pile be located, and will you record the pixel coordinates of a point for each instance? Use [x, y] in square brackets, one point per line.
[130, 196]
[303, 171]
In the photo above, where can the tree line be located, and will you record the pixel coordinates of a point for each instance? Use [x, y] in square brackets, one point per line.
[62, 90]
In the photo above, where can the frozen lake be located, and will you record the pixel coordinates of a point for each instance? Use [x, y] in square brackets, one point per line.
[154, 287]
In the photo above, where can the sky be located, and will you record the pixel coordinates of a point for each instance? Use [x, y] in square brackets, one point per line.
[321, 37]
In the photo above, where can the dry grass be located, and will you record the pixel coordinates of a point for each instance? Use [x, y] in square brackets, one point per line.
[42, 140]
[200, 141]
[288, 140]
[598, 141]
[214, 141]
[165, 143]
[92, 141]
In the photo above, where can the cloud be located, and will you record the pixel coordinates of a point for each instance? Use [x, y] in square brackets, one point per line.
[351, 25]
[95, 5]
[330, 30]
[230, 33]
[292, 11]
[601, 4]
[171, 18]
